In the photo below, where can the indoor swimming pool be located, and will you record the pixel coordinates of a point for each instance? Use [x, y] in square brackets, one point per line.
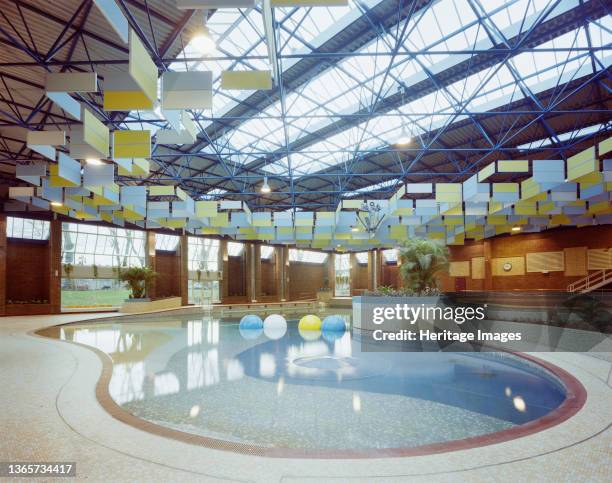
[307, 391]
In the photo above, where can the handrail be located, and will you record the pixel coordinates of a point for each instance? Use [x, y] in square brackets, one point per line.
[591, 282]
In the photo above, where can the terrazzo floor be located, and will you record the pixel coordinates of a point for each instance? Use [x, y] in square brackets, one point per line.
[50, 413]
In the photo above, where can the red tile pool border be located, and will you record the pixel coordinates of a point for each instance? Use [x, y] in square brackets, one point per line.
[574, 401]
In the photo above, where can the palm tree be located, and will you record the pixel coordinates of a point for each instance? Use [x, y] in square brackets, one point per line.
[422, 260]
[139, 280]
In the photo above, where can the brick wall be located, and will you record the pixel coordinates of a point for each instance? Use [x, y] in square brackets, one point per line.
[27, 268]
[167, 283]
[268, 280]
[305, 279]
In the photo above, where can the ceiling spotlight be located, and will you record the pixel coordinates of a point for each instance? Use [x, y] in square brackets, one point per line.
[516, 228]
[56, 203]
[202, 41]
[265, 188]
[404, 138]
[94, 161]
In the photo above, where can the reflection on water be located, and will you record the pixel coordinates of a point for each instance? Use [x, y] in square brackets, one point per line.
[308, 389]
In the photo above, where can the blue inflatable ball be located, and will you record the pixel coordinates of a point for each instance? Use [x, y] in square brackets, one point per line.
[333, 323]
[250, 322]
[250, 334]
[332, 335]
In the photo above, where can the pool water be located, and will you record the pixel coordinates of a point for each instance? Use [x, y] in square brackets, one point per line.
[204, 376]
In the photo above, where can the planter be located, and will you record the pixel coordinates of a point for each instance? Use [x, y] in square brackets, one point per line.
[132, 306]
[27, 309]
[361, 306]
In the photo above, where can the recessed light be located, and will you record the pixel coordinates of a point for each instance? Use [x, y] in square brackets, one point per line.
[94, 161]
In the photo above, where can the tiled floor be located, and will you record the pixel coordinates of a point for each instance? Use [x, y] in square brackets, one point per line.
[50, 413]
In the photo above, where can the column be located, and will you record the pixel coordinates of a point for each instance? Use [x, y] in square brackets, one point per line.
[373, 269]
[184, 269]
[353, 272]
[282, 273]
[224, 268]
[400, 282]
[487, 253]
[253, 271]
[331, 273]
[3, 255]
[150, 260]
[55, 266]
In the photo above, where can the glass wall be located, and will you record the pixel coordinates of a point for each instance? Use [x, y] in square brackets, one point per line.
[362, 258]
[390, 255]
[342, 267]
[203, 254]
[167, 243]
[92, 257]
[306, 256]
[102, 246]
[26, 228]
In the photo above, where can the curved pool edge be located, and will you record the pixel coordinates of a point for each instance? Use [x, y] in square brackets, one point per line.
[576, 396]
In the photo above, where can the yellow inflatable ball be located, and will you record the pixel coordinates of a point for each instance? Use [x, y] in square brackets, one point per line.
[309, 322]
[309, 335]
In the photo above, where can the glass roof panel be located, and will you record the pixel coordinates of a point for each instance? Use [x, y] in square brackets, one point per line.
[484, 90]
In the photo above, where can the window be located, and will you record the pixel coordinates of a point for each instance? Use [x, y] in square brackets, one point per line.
[390, 256]
[166, 242]
[307, 256]
[102, 246]
[203, 254]
[234, 249]
[342, 267]
[266, 252]
[362, 258]
[204, 292]
[27, 228]
[95, 252]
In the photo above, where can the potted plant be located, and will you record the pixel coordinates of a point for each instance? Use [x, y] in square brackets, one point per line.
[68, 269]
[139, 280]
[95, 276]
[422, 260]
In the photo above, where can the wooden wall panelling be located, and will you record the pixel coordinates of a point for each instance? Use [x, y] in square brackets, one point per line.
[600, 259]
[3, 254]
[459, 269]
[517, 266]
[575, 261]
[545, 262]
[478, 268]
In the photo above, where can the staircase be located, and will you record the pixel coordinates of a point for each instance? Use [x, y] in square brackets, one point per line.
[591, 282]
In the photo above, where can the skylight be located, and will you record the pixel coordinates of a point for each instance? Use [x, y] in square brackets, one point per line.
[572, 135]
